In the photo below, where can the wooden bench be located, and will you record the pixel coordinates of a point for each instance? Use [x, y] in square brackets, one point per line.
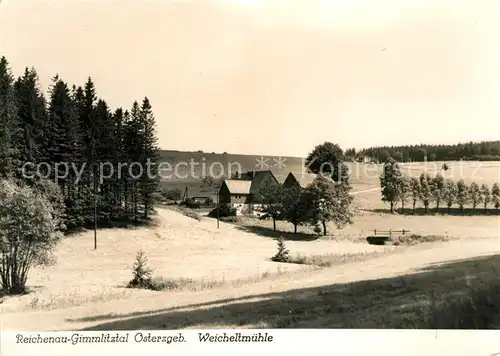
[380, 237]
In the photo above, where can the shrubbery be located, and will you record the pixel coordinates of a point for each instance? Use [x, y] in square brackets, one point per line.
[230, 219]
[191, 203]
[224, 211]
[172, 194]
[30, 228]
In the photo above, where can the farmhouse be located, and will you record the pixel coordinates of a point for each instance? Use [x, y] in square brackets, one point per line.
[243, 194]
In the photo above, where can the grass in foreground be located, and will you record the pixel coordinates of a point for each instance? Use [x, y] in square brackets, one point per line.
[331, 259]
[457, 295]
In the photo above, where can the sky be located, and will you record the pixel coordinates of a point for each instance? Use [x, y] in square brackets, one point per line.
[275, 76]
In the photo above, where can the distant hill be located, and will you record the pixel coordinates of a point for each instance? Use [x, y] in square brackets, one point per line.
[194, 165]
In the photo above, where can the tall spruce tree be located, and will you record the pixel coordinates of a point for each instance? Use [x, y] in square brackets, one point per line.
[65, 150]
[103, 159]
[8, 119]
[118, 159]
[85, 101]
[134, 149]
[30, 138]
[114, 155]
[149, 157]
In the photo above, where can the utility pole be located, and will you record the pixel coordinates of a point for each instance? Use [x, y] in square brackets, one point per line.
[95, 194]
[95, 215]
[218, 207]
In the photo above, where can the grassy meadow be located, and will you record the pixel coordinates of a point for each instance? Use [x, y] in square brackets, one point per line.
[224, 277]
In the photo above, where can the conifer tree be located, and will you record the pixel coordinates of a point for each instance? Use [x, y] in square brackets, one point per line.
[103, 156]
[64, 149]
[8, 119]
[149, 159]
[134, 151]
[29, 138]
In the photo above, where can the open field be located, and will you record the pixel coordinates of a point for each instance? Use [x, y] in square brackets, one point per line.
[179, 247]
[85, 288]
[364, 176]
[224, 277]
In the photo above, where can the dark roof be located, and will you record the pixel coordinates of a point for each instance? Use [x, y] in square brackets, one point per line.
[305, 179]
[258, 178]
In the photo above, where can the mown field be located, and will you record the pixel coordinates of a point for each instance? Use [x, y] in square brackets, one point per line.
[364, 177]
[224, 277]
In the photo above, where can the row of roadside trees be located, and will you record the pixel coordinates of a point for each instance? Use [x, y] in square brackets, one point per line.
[398, 189]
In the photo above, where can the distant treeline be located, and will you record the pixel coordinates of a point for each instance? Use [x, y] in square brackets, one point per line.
[472, 151]
[72, 137]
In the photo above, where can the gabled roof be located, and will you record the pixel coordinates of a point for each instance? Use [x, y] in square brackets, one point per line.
[281, 178]
[305, 179]
[258, 178]
[236, 186]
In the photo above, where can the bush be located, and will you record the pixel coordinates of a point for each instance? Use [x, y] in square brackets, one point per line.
[283, 255]
[377, 240]
[161, 284]
[191, 203]
[30, 228]
[414, 239]
[209, 201]
[172, 194]
[142, 275]
[230, 219]
[191, 214]
[224, 211]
